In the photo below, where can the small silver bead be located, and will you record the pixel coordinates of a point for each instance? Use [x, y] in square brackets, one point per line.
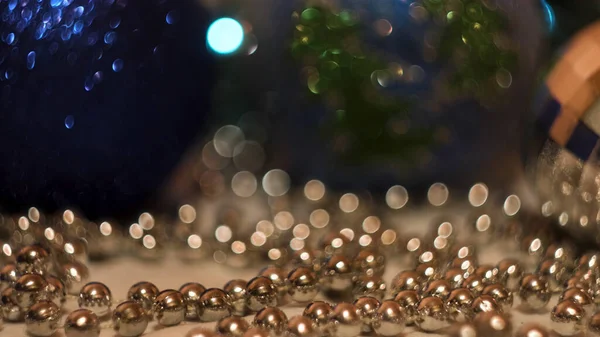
[82, 323]
[236, 290]
[202, 332]
[369, 262]
[279, 277]
[488, 273]
[10, 310]
[485, 303]
[501, 295]
[301, 326]
[455, 277]
[271, 319]
[409, 301]
[466, 264]
[304, 285]
[74, 274]
[365, 285]
[42, 318]
[475, 284]
[594, 323]
[533, 292]
[406, 280]
[144, 293]
[320, 314]
[56, 291]
[428, 271]
[459, 305]
[555, 272]
[214, 305]
[580, 297]
[169, 307]
[532, 330]
[8, 275]
[191, 292]
[261, 293]
[337, 275]
[562, 252]
[567, 318]
[129, 319]
[29, 288]
[493, 324]
[347, 322]
[232, 326]
[438, 288]
[510, 272]
[391, 319]
[96, 297]
[367, 310]
[433, 315]
[256, 332]
[33, 259]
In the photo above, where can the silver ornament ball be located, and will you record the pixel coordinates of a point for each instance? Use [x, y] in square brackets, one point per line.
[96, 297]
[459, 305]
[455, 277]
[373, 286]
[262, 292]
[279, 277]
[501, 295]
[433, 315]
[191, 295]
[33, 259]
[42, 318]
[533, 292]
[320, 314]
[391, 319]
[555, 272]
[129, 319]
[406, 280]
[144, 293]
[304, 284]
[169, 307]
[82, 323]
[232, 326]
[29, 289]
[214, 304]
[367, 310]
[11, 312]
[347, 322]
[493, 324]
[409, 301]
[74, 274]
[301, 326]
[580, 297]
[438, 288]
[271, 319]
[567, 318]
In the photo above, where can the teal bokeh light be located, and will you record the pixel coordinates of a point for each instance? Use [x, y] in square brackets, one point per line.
[225, 36]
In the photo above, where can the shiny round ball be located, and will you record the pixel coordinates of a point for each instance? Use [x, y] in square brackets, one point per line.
[96, 297]
[271, 319]
[493, 324]
[428, 271]
[130, 319]
[56, 290]
[409, 301]
[488, 273]
[304, 284]
[475, 284]
[33, 259]
[373, 286]
[191, 292]
[169, 307]
[577, 282]
[433, 315]
[82, 323]
[11, 312]
[406, 280]
[455, 277]
[236, 290]
[367, 309]
[320, 313]
[214, 305]
[589, 261]
[337, 274]
[594, 323]
[438, 288]
[301, 326]
[279, 277]
[74, 274]
[232, 326]
[391, 319]
[308, 258]
[369, 262]
[501, 295]
[555, 272]
[256, 332]
[533, 292]
[144, 293]
[42, 318]
[567, 318]
[580, 297]
[202, 332]
[510, 272]
[459, 305]
[8, 275]
[466, 264]
[560, 251]
[29, 288]
[485, 303]
[262, 292]
[532, 330]
[347, 321]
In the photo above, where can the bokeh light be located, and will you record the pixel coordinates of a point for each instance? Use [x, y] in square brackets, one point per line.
[225, 36]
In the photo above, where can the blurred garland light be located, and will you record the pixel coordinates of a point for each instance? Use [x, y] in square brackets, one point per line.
[225, 36]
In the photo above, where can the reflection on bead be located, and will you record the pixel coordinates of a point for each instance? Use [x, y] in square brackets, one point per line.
[369, 262]
[255, 332]
[459, 305]
[428, 271]
[580, 297]
[409, 301]
[433, 315]
[367, 309]
[236, 289]
[406, 280]
[301, 326]
[74, 274]
[567, 318]
[501, 295]
[41, 319]
[144, 293]
[8, 275]
[320, 313]
[488, 273]
[279, 277]
[309, 259]
[347, 322]
[493, 324]
[271, 319]
[589, 261]
[337, 274]
[203, 332]
[303, 284]
[533, 292]
[33, 259]
[510, 273]
[485, 303]
[191, 292]
[232, 326]
[214, 305]
[438, 288]
[475, 284]
[10, 310]
[532, 330]
[391, 319]
[29, 288]
[555, 272]
[455, 277]
[261, 293]
[466, 264]
[56, 291]
[169, 307]
[562, 252]
[82, 323]
[129, 319]
[365, 285]
[96, 297]
[577, 282]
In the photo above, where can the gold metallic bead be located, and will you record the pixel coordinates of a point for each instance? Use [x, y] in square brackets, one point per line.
[510, 273]
[29, 289]
[304, 285]
[56, 291]
[589, 261]
[33, 259]
[493, 324]
[191, 292]
[501, 295]
[365, 285]
[454, 276]
[8, 275]
[555, 272]
[391, 319]
[236, 289]
[254, 332]
[301, 326]
[129, 319]
[279, 277]
[467, 264]
[169, 307]
[214, 304]
[428, 271]
[409, 301]
[320, 314]
[11, 312]
[485, 303]
[459, 305]
[532, 330]
[96, 297]
[74, 274]
[488, 273]
[580, 297]
[42, 318]
[271, 319]
[577, 282]
[347, 321]
[337, 274]
[562, 252]
[367, 309]
[433, 315]
[533, 292]
[406, 280]
[475, 284]
[144, 293]
[82, 323]
[261, 293]
[438, 288]
[369, 262]
[568, 318]
[204, 332]
[232, 326]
